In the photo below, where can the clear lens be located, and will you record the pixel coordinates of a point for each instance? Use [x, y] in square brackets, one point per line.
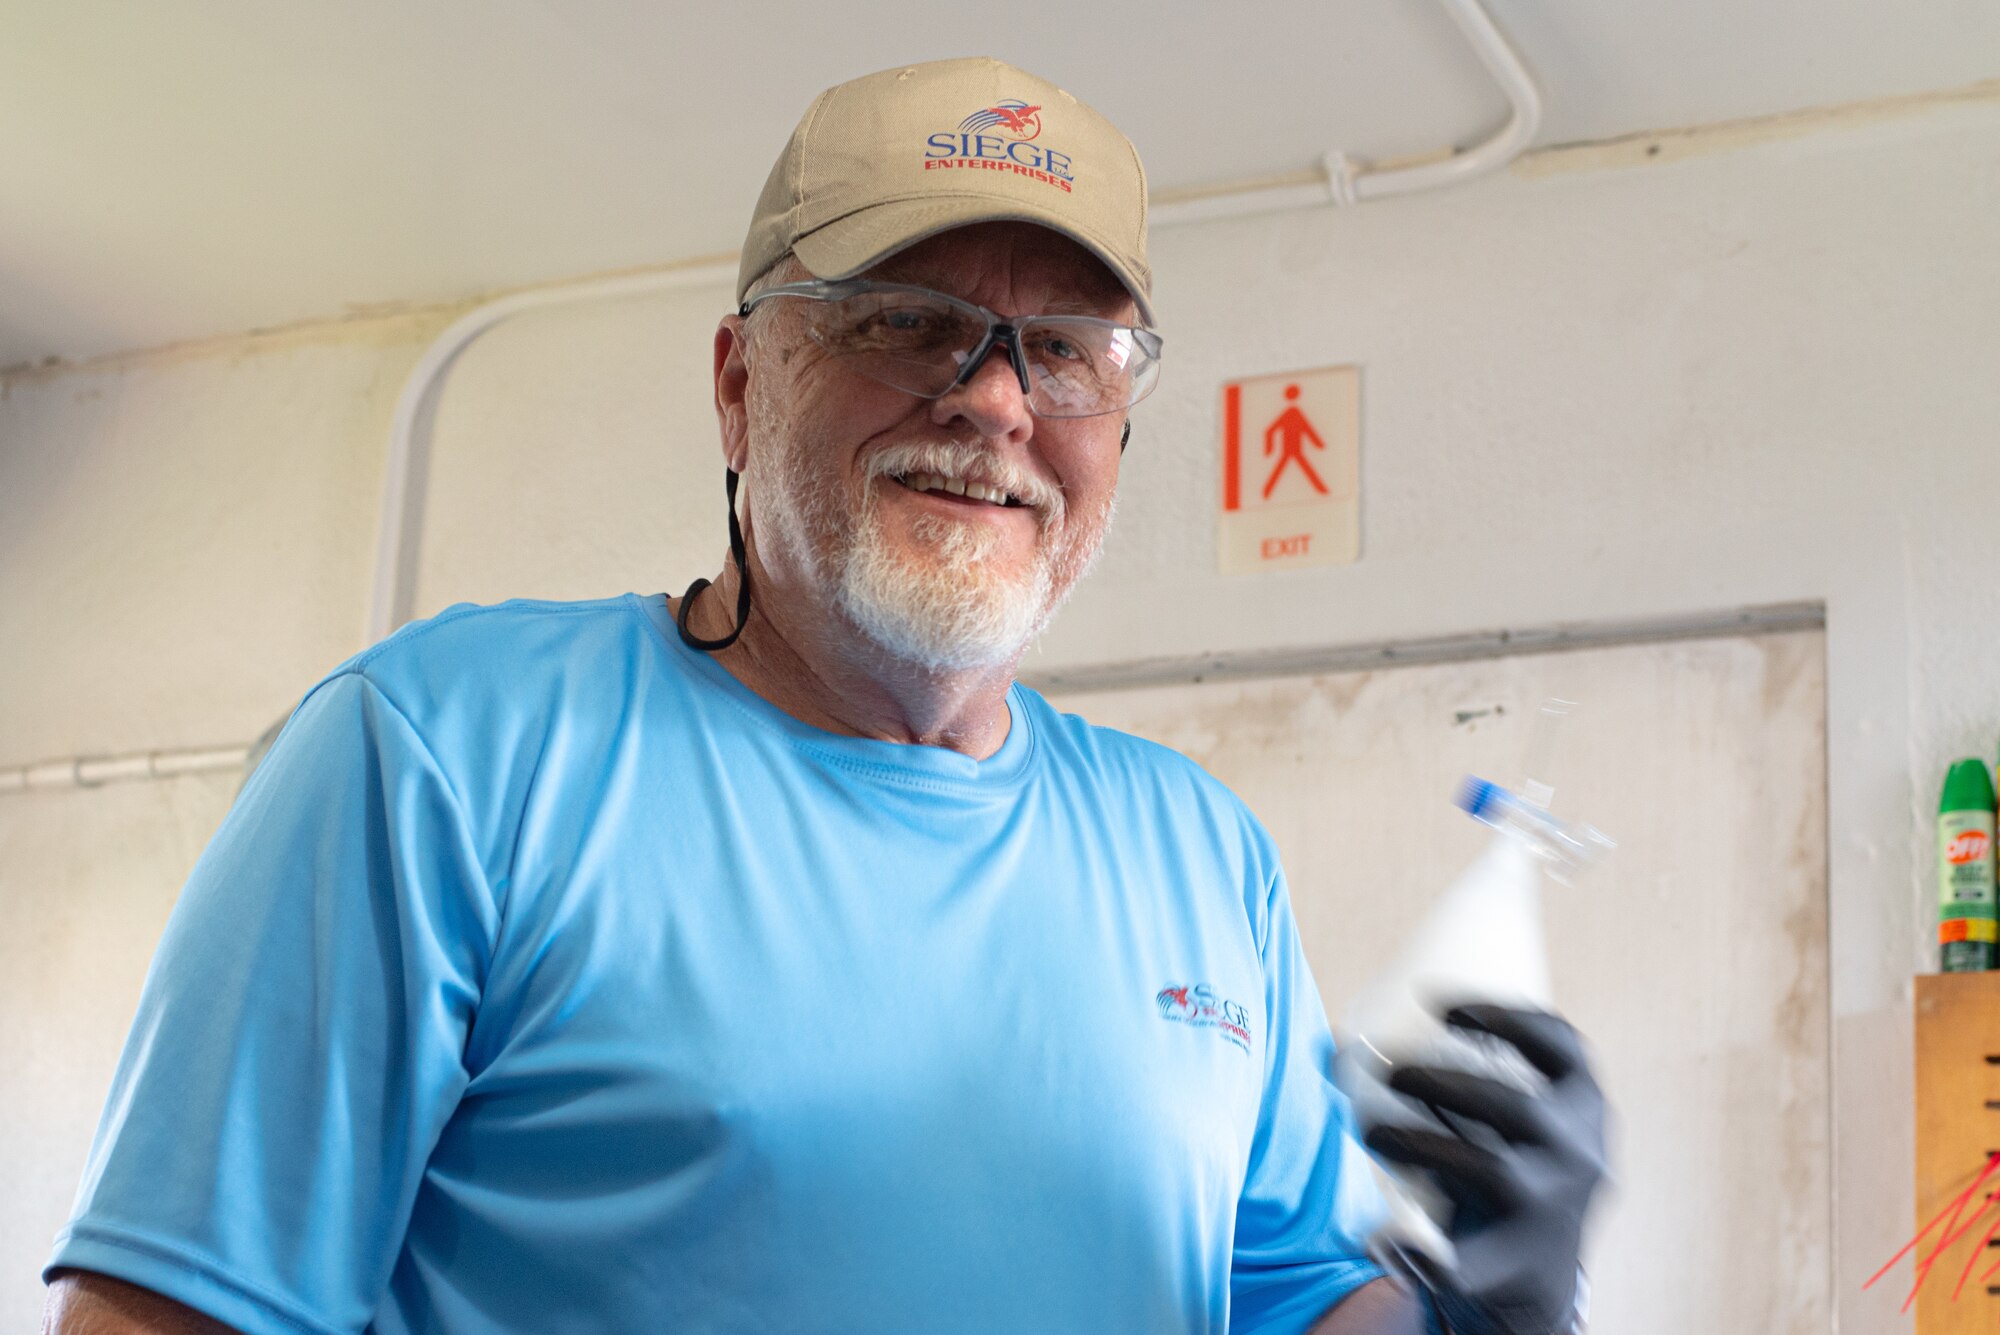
[1079, 367]
[918, 341]
[908, 340]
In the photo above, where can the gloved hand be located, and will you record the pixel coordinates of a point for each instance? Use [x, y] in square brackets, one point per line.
[1519, 1193]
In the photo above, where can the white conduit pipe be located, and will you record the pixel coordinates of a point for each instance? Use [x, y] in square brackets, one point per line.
[1343, 182]
[94, 772]
[399, 530]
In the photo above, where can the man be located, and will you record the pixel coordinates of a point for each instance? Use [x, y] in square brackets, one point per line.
[766, 959]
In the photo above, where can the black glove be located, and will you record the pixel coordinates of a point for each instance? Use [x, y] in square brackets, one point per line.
[1519, 1191]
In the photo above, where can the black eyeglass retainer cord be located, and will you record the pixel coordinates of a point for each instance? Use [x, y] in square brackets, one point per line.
[741, 557]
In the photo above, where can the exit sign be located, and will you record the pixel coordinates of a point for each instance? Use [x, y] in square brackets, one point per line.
[1291, 467]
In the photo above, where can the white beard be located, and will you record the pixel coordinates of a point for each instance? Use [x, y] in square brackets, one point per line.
[947, 610]
[950, 613]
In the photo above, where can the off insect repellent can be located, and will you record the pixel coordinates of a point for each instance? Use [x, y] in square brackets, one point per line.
[1966, 927]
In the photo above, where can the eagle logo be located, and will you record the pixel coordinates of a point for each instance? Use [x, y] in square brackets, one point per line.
[1015, 117]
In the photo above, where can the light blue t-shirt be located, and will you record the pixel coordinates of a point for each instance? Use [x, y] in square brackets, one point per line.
[545, 979]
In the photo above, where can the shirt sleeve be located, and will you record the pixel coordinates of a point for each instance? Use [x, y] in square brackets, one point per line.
[299, 1040]
[1309, 1201]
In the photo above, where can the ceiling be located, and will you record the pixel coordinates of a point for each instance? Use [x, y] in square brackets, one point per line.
[178, 171]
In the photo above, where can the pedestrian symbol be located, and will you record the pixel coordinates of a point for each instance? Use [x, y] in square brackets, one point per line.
[1289, 434]
[1295, 503]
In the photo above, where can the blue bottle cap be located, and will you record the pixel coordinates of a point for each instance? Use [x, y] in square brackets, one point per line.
[1480, 799]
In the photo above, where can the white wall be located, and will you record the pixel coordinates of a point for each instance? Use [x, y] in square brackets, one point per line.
[1756, 376]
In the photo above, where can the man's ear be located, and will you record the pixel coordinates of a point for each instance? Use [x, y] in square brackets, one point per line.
[732, 391]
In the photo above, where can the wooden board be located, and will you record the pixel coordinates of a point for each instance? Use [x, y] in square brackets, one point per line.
[1958, 1130]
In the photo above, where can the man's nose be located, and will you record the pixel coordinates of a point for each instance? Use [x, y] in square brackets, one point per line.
[990, 399]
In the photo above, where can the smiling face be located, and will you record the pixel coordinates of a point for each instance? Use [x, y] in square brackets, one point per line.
[946, 531]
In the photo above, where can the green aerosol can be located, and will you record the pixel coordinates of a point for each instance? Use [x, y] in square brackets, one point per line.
[1966, 926]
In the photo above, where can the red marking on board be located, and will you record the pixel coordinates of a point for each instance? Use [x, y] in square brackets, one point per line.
[1232, 446]
[1953, 1231]
[1978, 1250]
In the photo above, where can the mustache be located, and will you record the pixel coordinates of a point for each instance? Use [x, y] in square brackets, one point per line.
[969, 463]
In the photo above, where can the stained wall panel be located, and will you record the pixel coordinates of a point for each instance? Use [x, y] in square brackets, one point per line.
[1695, 959]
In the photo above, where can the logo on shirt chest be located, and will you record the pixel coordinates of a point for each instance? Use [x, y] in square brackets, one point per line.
[1198, 1006]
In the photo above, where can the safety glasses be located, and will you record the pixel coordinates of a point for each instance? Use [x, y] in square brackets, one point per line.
[926, 343]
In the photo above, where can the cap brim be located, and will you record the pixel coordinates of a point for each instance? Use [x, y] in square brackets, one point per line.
[847, 245]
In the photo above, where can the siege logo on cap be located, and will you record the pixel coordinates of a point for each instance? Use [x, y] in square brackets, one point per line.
[972, 147]
[1015, 116]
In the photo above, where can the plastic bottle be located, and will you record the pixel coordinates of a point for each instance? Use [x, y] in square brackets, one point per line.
[1966, 927]
[1481, 941]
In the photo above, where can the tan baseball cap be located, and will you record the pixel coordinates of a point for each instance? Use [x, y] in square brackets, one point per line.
[883, 161]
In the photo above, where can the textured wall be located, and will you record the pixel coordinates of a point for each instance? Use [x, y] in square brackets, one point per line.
[1749, 377]
[1705, 1005]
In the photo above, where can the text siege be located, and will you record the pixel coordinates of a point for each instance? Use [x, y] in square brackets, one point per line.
[984, 151]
